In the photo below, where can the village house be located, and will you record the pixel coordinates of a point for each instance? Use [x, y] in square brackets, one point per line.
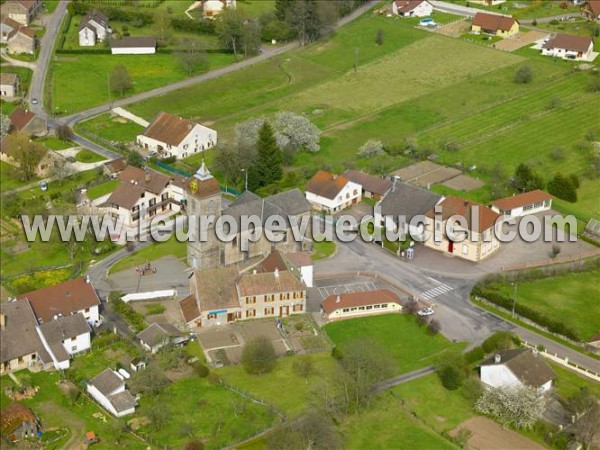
[141, 195]
[358, 304]
[63, 299]
[7, 27]
[108, 389]
[408, 202]
[115, 167]
[157, 335]
[93, 28]
[412, 8]
[480, 236]
[21, 11]
[522, 204]
[591, 10]
[64, 337]
[133, 45]
[212, 8]
[18, 422]
[372, 186]
[9, 85]
[496, 25]
[169, 135]
[27, 122]
[517, 368]
[19, 38]
[566, 46]
[331, 193]
[224, 295]
[203, 197]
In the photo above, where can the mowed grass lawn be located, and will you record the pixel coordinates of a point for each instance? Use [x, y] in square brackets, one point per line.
[410, 345]
[172, 247]
[282, 387]
[215, 414]
[112, 128]
[573, 299]
[81, 81]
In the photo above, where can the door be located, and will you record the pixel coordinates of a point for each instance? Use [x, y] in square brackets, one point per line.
[230, 317]
[450, 247]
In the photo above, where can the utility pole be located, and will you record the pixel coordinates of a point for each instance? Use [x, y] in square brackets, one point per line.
[108, 88]
[246, 182]
[355, 59]
[514, 299]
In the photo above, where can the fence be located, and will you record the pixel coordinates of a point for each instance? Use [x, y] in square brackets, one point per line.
[564, 362]
[574, 258]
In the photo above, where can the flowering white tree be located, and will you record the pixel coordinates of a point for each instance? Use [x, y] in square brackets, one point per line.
[246, 133]
[296, 132]
[370, 148]
[517, 406]
[4, 125]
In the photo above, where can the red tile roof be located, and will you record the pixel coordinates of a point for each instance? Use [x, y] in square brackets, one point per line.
[593, 6]
[407, 5]
[13, 415]
[355, 299]
[63, 298]
[149, 179]
[326, 184]
[370, 183]
[20, 118]
[454, 206]
[520, 200]
[189, 308]
[169, 129]
[569, 42]
[493, 22]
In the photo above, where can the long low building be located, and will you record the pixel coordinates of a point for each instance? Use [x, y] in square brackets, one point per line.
[522, 204]
[133, 45]
[357, 304]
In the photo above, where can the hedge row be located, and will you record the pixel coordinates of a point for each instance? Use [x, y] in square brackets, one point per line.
[200, 26]
[129, 314]
[136, 18]
[554, 326]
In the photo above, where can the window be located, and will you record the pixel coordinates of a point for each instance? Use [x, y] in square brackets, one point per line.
[361, 308]
[251, 313]
[354, 192]
[297, 308]
[369, 307]
[376, 306]
[74, 348]
[384, 305]
[345, 310]
[212, 316]
[347, 195]
[269, 311]
[438, 226]
[353, 309]
[87, 310]
[73, 339]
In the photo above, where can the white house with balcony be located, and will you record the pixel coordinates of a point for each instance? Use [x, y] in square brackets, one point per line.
[169, 135]
[332, 193]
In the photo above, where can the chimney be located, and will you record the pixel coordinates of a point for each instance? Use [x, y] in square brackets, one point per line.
[334, 177]
[87, 279]
[147, 176]
[2, 321]
[497, 358]
[276, 272]
[68, 293]
[337, 299]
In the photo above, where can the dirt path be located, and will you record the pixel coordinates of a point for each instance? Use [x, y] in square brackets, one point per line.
[67, 419]
[488, 435]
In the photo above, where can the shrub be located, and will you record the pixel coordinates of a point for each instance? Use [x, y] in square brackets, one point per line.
[562, 187]
[475, 355]
[258, 356]
[523, 75]
[299, 326]
[201, 370]
[501, 340]
[134, 318]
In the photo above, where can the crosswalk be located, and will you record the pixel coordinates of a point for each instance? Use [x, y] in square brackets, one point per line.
[432, 293]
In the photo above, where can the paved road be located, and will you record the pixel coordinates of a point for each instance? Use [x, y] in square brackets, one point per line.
[267, 53]
[36, 90]
[387, 384]
[16, 62]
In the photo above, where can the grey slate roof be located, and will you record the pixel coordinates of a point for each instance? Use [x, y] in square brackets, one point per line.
[64, 327]
[134, 41]
[293, 202]
[122, 401]
[157, 332]
[404, 199]
[107, 382]
[19, 337]
[527, 367]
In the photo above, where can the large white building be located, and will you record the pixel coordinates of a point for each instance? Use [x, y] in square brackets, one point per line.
[93, 29]
[517, 368]
[169, 135]
[332, 193]
[358, 304]
[531, 202]
[108, 389]
[133, 45]
[412, 8]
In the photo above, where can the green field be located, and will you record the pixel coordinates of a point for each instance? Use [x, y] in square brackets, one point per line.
[410, 345]
[172, 247]
[564, 298]
[111, 128]
[54, 143]
[270, 386]
[322, 250]
[102, 189]
[88, 156]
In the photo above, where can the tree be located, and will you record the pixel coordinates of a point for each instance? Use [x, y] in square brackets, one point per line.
[372, 147]
[4, 125]
[303, 366]
[273, 28]
[229, 30]
[268, 169]
[60, 169]
[158, 414]
[251, 37]
[585, 407]
[563, 188]
[258, 356]
[134, 158]
[195, 444]
[525, 180]
[379, 37]
[25, 152]
[520, 407]
[452, 371]
[434, 326]
[162, 23]
[231, 161]
[64, 133]
[534, 22]
[246, 133]
[311, 431]
[295, 132]
[282, 8]
[193, 56]
[117, 429]
[311, 19]
[523, 75]
[149, 381]
[119, 79]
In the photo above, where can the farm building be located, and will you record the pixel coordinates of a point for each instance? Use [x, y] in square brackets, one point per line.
[522, 204]
[357, 304]
[332, 193]
[372, 187]
[412, 8]
[170, 135]
[108, 389]
[93, 29]
[21, 11]
[157, 335]
[18, 422]
[591, 10]
[9, 85]
[133, 45]
[501, 26]
[571, 47]
[517, 368]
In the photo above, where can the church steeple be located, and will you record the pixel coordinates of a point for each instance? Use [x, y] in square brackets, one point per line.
[203, 173]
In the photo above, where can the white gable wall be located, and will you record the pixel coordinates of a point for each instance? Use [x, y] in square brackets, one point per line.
[350, 193]
[423, 10]
[199, 139]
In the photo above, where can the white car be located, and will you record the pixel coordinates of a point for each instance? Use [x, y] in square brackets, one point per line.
[426, 312]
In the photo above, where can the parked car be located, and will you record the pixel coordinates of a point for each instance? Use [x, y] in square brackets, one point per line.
[43, 185]
[426, 312]
[34, 101]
